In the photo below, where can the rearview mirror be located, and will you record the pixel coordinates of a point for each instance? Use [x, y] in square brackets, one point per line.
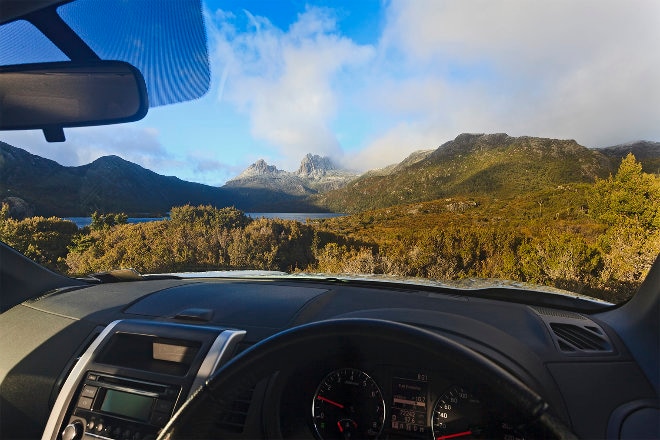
[51, 96]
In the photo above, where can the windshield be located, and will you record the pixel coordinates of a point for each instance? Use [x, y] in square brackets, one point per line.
[514, 141]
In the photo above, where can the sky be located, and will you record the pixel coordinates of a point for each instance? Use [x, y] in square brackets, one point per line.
[368, 82]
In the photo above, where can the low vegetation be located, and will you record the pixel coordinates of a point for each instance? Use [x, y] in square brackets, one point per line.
[598, 239]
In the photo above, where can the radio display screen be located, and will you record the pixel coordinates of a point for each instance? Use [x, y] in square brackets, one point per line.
[126, 404]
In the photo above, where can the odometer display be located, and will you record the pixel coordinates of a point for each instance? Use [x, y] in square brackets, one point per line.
[348, 404]
[409, 404]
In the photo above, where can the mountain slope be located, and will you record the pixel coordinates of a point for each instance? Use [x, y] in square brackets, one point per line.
[646, 152]
[108, 184]
[494, 165]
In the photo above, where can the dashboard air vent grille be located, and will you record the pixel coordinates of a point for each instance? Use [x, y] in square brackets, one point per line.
[572, 338]
[234, 419]
[557, 313]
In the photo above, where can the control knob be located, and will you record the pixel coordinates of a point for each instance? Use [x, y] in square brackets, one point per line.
[73, 431]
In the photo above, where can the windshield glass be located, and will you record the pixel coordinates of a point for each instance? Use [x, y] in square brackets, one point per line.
[515, 142]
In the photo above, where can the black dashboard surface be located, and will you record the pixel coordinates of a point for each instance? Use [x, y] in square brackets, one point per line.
[584, 387]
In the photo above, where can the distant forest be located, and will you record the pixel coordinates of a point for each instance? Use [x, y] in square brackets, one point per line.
[598, 239]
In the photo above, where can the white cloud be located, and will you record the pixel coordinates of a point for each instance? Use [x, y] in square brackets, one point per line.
[86, 144]
[285, 81]
[209, 170]
[583, 70]
[571, 69]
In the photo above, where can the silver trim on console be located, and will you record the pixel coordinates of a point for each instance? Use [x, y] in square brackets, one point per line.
[70, 385]
[219, 353]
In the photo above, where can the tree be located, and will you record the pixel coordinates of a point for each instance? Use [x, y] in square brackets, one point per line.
[629, 204]
[631, 197]
[102, 221]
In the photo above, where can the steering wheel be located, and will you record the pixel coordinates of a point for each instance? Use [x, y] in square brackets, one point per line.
[196, 419]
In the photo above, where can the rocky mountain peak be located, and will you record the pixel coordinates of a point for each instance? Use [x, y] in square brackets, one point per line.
[259, 168]
[313, 165]
[315, 174]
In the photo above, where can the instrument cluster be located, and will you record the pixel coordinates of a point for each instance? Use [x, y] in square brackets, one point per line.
[388, 402]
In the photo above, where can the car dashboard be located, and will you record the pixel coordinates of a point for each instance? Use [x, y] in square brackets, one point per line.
[118, 360]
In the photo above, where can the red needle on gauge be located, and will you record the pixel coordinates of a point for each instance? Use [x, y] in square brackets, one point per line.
[331, 402]
[458, 434]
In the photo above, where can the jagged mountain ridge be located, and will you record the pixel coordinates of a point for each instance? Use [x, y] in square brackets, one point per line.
[495, 165]
[316, 174]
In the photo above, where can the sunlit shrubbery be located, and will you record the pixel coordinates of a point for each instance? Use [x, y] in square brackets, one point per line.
[598, 239]
[198, 238]
[42, 239]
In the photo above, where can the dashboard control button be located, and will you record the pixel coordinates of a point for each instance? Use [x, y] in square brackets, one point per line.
[85, 403]
[89, 391]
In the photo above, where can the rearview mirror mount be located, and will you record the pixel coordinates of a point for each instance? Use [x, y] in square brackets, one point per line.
[52, 96]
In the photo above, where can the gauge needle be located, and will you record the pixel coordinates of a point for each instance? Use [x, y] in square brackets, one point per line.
[458, 434]
[331, 402]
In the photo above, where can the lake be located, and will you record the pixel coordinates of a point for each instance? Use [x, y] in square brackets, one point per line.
[81, 222]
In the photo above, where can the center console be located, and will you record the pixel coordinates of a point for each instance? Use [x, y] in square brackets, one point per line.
[134, 376]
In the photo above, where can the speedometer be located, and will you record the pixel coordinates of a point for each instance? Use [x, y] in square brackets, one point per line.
[456, 414]
[348, 404]
[459, 414]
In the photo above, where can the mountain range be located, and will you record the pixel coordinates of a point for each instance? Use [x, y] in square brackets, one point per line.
[474, 164]
[316, 174]
[33, 185]
[109, 184]
[496, 165]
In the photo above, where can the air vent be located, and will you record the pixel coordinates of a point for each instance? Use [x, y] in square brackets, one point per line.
[580, 338]
[574, 333]
[557, 313]
[233, 419]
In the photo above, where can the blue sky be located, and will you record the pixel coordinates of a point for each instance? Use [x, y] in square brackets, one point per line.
[367, 82]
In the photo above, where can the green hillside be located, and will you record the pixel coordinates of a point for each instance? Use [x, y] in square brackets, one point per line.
[477, 165]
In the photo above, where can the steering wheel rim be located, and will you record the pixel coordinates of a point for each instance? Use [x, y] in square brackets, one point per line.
[196, 418]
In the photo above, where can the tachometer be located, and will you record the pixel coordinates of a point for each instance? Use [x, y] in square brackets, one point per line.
[348, 404]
